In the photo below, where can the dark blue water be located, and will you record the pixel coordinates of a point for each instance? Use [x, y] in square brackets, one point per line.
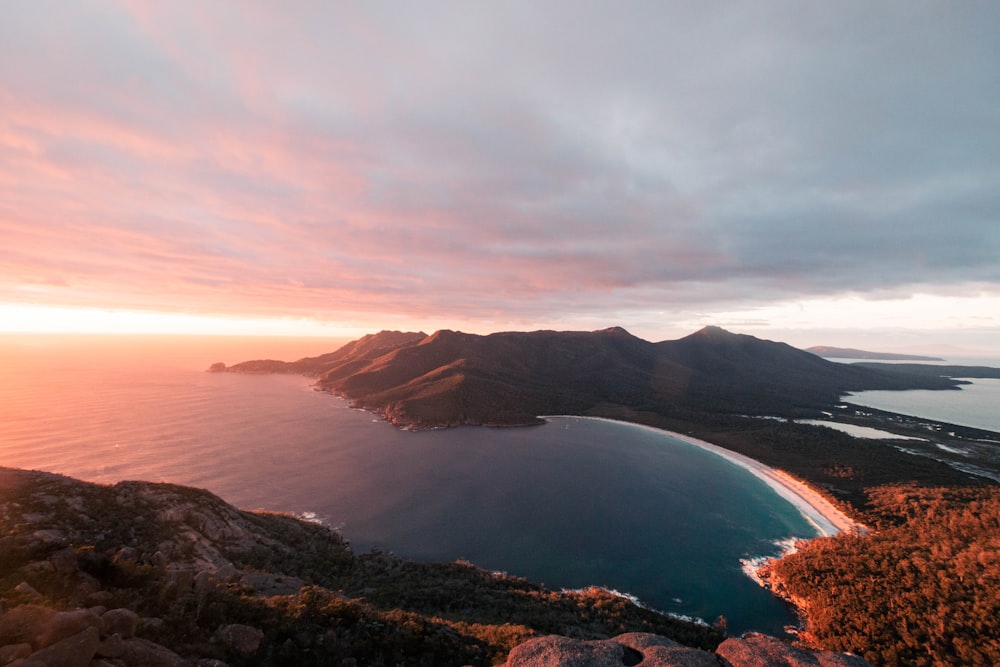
[570, 504]
[582, 502]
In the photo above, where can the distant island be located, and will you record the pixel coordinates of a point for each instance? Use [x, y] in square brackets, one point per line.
[828, 352]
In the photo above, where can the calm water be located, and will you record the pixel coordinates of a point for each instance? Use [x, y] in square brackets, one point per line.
[572, 503]
[976, 405]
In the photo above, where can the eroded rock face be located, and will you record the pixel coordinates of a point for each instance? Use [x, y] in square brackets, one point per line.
[647, 650]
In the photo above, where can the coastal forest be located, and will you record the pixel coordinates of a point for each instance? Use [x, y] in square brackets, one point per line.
[922, 589]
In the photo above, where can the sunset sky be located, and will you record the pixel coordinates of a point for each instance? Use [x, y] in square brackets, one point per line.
[814, 172]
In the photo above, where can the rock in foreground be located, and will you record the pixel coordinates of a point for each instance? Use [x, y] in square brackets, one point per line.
[648, 650]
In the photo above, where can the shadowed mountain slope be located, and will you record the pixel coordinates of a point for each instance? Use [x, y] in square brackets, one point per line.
[509, 378]
[741, 373]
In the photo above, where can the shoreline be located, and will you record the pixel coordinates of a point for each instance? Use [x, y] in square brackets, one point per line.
[820, 512]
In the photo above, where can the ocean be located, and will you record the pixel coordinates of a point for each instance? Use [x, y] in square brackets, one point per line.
[572, 503]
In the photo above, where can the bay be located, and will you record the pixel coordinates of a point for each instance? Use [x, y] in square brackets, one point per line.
[974, 405]
[572, 503]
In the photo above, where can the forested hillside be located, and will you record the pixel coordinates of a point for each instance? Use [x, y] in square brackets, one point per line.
[924, 589]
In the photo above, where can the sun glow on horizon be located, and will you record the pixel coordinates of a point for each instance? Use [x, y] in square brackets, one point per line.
[921, 323]
[19, 318]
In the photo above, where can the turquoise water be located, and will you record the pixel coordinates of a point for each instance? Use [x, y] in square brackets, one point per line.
[572, 503]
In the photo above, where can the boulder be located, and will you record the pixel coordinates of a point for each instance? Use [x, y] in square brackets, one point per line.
[12, 652]
[649, 650]
[149, 654]
[242, 639]
[65, 624]
[99, 598]
[111, 647]
[659, 651]
[126, 555]
[64, 561]
[24, 588]
[74, 651]
[557, 651]
[24, 623]
[763, 651]
[124, 622]
[641, 641]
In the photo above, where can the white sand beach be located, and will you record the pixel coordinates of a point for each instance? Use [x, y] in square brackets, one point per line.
[821, 512]
[827, 519]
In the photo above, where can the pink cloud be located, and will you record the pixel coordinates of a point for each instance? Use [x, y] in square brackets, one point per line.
[318, 158]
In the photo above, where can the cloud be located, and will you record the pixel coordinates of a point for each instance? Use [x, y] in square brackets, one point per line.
[505, 161]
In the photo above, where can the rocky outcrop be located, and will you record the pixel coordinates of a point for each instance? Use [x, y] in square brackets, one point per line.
[69, 551]
[75, 638]
[649, 650]
[762, 651]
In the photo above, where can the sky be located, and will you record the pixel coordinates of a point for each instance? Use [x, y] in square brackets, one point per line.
[823, 173]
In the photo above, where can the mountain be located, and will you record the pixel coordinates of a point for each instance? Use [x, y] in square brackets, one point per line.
[828, 352]
[450, 378]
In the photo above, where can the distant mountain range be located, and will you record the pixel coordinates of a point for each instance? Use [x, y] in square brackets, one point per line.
[850, 353]
[451, 378]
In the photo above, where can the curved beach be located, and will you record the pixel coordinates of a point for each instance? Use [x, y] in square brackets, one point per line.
[823, 514]
[820, 512]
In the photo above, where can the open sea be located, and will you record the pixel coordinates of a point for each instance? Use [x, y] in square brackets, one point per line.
[572, 503]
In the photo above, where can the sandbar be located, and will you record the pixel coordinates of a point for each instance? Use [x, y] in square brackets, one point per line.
[820, 512]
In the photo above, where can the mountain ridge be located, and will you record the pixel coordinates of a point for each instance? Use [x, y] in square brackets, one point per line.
[450, 378]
